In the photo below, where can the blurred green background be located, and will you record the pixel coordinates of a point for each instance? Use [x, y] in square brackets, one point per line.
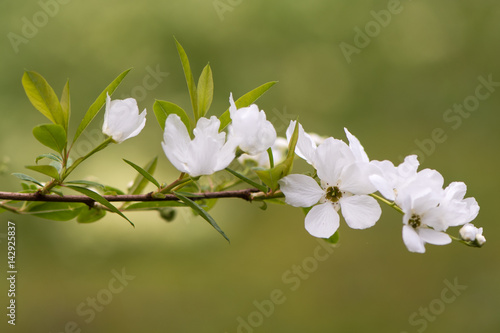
[395, 91]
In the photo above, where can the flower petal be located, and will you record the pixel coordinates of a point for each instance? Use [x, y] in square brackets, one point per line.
[355, 178]
[176, 142]
[330, 159]
[356, 147]
[412, 240]
[322, 220]
[300, 190]
[434, 237]
[360, 211]
[383, 186]
[305, 144]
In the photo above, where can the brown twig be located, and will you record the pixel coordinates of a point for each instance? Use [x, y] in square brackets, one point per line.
[245, 194]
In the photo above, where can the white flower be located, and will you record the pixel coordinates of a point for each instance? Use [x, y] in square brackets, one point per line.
[207, 153]
[470, 233]
[250, 129]
[279, 149]
[122, 120]
[306, 142]
[453, 209]
[419, 199]
[343, 186]
[391, 178]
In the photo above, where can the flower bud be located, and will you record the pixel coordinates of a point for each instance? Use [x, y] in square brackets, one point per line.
[122, 119]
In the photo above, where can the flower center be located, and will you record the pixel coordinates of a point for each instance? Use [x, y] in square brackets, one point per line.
[333, 194]
[414, 221]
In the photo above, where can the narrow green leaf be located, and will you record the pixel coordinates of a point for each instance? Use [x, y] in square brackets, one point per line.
[140, 182]
[56, 211]
[153, 205]
[163, 109]
[51, 135]
[76, 163]
[66, 104]
[189, 79]
[189, 194]
[201, 212]
[247, 180]
[205, 91]
[108, 190]
[87, 183]
[244, 101]
[98, 198]
[27, 178]
[48, 170]
[271, 157]
[50, 156]
[43, 97]
[288, 162]
[98, 104]
[144, 173]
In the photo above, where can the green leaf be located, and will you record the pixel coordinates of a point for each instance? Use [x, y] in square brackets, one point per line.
[98, 104]
[48, 170]
[27, 178]
[153, 205]
[98, 198]
[270, 177]
[43, 97]
[167, 213]
[51, 135]
[247, 180]
[244, 101]
[50, 156]
[205, 91]
[163, 109]
[66, 104]
[56, 211]
[189, 79]
[140, 182]
[334, 239]
[76, 163]
[144, 173]
[91, 215]
[201, 212]
[288, 162]
[108, 190]
[87, 183]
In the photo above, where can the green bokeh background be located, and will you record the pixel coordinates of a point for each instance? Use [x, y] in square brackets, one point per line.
[393, 94]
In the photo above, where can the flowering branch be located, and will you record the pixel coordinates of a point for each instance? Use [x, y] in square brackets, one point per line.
[243, 147]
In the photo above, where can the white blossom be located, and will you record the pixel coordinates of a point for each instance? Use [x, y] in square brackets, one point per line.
[279, 149]
[306, 142]
[344, 187]
[391, 178]
[207, 153]
[419, 199]
[250, 129]
[122, 120]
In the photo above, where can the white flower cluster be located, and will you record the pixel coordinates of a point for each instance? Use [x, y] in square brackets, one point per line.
[209, 151]
[347, 179]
